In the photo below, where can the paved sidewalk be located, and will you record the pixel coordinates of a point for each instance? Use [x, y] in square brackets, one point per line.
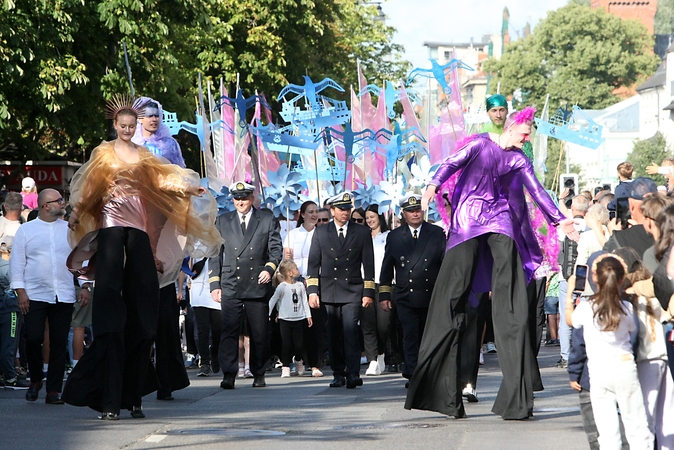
[299, 413]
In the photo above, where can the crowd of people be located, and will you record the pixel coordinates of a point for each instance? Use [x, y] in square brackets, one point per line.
[342, 287]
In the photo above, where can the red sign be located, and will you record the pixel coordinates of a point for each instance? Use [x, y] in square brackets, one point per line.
[43, 175]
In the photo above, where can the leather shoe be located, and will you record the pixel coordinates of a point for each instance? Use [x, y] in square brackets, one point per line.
[407, 384]
[53, 398]
[258, 381]
[339, 381]
[227, 381]
[137, 412]
[353, 380]
[33, 391]
[164, 395]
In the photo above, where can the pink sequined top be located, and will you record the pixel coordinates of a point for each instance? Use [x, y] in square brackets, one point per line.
[125, 208]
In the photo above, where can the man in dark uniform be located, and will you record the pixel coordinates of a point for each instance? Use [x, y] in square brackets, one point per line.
[240, 279]
[338, 252]
[415, 250]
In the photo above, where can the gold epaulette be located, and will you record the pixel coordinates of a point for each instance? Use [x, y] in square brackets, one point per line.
[271, 265]
[312, 281]
[213, 279]
[369, 284]
[384, 289]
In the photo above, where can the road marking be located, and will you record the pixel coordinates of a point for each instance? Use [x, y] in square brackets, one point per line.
[156, 438]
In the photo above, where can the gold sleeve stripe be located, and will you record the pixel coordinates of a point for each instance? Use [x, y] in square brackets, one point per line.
[369, 284]
[312, 281]
[384, 288]
[272, 265]
[213, 279]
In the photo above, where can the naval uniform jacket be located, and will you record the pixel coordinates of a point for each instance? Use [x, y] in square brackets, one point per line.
[334, 269]
[242, 257]
[416, 266]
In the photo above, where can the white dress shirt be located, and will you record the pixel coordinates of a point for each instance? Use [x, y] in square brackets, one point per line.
[200, 291]
[299, 239]
[245, 217]
[38, 262]
[343, 228]
[418, 230]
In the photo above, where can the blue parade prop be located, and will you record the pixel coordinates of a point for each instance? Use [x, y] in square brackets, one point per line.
[572, 126]
[309, 91]
[285, 139]
[321, 112]
[171, 121]
[395, 150]
[241, 104]
[439, 73]
[391, 95]
[285, 192]
[348, 138]
[374, 195]
[224, 199]
[329, 169]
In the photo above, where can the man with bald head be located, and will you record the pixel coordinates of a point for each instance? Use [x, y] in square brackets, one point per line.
[45, 290]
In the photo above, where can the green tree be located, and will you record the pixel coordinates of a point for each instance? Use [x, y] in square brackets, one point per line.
[60, 59]
[647, 152]
[579, 56]
[664, 17]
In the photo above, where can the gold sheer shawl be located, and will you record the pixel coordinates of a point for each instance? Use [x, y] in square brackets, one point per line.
[165, 186]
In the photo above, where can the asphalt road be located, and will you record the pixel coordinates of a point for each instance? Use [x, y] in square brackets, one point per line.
[299, 413]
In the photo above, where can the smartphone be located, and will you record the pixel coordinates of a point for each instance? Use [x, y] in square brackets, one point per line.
[581, 277]
[622, 211]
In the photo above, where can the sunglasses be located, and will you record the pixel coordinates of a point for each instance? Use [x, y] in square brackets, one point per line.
[359, 220]
[60, 201]
[325, 219]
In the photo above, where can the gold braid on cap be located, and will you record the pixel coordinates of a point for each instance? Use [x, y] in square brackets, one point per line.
[121, 102]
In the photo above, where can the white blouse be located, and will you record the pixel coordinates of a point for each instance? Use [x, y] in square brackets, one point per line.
[299, 239]
[379, 243]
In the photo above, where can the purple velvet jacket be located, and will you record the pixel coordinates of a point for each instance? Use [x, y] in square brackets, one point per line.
[489, 198]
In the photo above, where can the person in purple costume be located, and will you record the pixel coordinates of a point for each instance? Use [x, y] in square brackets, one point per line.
[490, 233]
[153, 133]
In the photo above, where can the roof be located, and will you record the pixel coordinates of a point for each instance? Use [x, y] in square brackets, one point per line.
[657, 80]
[623, 117]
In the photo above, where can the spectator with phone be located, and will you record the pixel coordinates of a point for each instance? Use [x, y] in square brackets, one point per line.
[635, 235]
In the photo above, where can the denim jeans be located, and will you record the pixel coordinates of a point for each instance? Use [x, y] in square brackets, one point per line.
[564, 329]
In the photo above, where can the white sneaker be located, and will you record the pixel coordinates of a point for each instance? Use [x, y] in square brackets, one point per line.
[373, 369]
[299, 365]
[491, 348]
[470, 393]
[382, 363]
[363, 360]
[285, 372]
[481, 360]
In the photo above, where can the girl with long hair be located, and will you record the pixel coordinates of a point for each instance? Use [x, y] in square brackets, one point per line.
[608, 319]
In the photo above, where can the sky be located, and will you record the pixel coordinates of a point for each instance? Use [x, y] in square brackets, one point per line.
[419, 21]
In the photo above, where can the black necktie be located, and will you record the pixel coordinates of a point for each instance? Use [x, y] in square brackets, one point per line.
[243, 224]
[415, 237]
[341, 235]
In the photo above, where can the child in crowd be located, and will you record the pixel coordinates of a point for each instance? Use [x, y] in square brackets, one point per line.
[293, 309]
[607, 322]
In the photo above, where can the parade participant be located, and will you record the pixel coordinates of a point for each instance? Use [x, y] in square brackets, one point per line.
[296, 247]
[414, 252]
[240, 278]
[375, 321]
[490, 228]
[294, 315]
[323, 217]
[497, 110]
[45, 291]
[131, 201]
[339, 251]
[208, 317]
[153, 133]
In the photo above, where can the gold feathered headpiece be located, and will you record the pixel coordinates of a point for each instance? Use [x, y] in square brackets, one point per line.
[120, 102]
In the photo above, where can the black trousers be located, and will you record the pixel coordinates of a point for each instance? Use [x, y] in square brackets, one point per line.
[209, 330]
[112, 373]
[191, 331]
[344, 337]
[536, 299]
[375, 323]
[292, 340]
[435, 385]
[471, 339]
[171, 373]
[59, 315]
[314, 337]
[257, 314]
[413, 321]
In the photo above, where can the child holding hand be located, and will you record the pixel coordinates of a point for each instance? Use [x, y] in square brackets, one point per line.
[293, 315]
